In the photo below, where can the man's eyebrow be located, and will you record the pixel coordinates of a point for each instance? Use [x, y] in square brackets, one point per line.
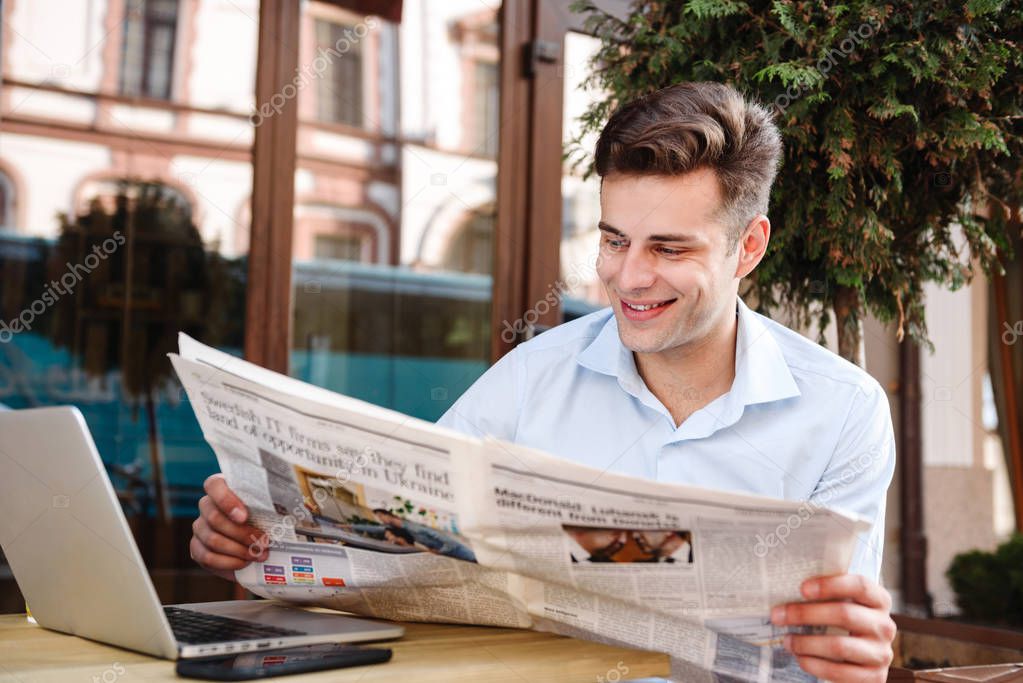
[653, 238]
[601, 225]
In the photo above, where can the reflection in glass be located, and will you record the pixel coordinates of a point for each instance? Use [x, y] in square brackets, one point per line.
[393, 233]
[580, 197]
[6, 202]
[147, 52]
[102, 305]
[123, 220]
[340, 88]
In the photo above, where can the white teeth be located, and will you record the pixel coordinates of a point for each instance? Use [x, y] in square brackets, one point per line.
[645, 307]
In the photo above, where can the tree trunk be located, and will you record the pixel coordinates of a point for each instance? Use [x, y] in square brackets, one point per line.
[162, 503]
[849, 324]
[916, 600]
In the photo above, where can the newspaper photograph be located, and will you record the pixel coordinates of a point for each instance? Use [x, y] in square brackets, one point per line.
[370, 511]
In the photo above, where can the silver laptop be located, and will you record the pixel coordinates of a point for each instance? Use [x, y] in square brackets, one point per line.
[74, 558]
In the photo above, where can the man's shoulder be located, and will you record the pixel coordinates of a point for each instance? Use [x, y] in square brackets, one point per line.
[813, 364]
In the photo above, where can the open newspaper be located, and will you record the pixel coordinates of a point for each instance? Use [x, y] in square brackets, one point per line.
[374, 512]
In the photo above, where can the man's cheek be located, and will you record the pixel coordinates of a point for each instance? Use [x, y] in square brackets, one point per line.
[681, 282]
[606, 273]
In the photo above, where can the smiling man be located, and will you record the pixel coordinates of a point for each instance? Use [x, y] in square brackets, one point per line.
[678, 380]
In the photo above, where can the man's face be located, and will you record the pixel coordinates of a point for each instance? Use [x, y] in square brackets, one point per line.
[663, 258]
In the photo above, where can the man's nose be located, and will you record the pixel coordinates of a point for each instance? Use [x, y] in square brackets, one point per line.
[637, 270]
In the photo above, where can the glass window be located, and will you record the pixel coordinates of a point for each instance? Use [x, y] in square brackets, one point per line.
[340, 89]
[474, 40]
[340, 247]
[471, 250]
[147, 51]
[580, 197]
[485, 112]
[6, 202]
[132, 226]
[406, 325]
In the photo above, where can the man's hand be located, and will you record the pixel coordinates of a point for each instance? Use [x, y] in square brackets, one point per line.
[221, 540]
[851, 602]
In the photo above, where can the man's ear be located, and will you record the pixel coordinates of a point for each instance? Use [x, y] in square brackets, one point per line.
[752, 245]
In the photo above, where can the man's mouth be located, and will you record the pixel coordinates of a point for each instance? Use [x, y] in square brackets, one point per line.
[646, 307]
[644, 310]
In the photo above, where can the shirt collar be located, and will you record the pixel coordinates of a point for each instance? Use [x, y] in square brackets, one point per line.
[761, 372]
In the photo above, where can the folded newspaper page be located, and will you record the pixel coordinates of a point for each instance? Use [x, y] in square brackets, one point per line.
[370, 511]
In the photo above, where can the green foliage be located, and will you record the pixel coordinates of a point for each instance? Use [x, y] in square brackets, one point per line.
[899, 121]
[405, 508]
[989, 586]
[402, 506]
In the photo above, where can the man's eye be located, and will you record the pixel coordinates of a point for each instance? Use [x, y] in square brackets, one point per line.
[615, 245]
[668, 251]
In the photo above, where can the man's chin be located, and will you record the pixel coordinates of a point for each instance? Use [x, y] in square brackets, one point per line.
[640, 343]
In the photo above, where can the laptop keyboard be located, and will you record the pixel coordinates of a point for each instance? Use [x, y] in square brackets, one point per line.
[195, 627]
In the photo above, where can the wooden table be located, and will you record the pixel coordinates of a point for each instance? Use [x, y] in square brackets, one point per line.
[428, 652]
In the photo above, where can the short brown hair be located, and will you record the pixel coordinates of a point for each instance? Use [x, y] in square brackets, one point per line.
[689, 126]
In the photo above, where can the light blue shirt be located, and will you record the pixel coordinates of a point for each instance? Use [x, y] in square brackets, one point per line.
[799, 422]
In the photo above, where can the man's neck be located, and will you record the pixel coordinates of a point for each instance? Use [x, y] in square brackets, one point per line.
[688, 378]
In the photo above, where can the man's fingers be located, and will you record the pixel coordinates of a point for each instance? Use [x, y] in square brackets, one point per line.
[221, 523]
[212, 561]
[221, 541]
[225, 499]
[828, 670]
[856, 619]
[222, 545]
[848, 587]
[847, 649]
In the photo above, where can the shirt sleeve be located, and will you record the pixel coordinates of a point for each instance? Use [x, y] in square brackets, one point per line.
[491, 406]
[860, 471]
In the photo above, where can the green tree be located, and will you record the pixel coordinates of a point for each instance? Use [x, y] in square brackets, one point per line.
[900, 121]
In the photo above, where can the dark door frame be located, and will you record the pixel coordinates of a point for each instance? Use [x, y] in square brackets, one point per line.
[268, 305]
[528, 231]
